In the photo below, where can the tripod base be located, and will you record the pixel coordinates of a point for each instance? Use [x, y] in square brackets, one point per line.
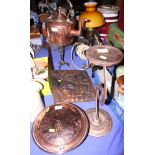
[62, 62]
[99, 127]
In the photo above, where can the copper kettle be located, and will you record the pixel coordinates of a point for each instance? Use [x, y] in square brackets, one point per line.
[60, 29]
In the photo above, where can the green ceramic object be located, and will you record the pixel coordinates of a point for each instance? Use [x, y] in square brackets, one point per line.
[116, 36]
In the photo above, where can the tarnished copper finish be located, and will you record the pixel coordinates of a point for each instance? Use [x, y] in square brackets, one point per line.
[71, 86]
[104, 55]
[60, 30]
[99, 127]
[60, 128]
[43, 17]
[120, 82]
[100, 120]
[34, 33]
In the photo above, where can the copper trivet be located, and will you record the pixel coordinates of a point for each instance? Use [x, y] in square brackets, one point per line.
[60, 128]
[71, 86]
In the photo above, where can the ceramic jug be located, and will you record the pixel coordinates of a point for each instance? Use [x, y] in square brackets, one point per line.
[36, 101]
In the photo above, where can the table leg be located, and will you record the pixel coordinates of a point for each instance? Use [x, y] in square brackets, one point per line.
[97, 104]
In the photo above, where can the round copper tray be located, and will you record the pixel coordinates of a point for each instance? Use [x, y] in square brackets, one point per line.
[60, 128]
[104, 55]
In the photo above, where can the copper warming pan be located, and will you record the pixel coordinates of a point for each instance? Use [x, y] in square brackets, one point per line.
[60, 128]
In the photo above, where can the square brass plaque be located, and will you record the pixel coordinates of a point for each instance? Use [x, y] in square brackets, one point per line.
[69, 86]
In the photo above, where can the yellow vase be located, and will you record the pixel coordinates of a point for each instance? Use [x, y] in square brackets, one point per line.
[95, 18]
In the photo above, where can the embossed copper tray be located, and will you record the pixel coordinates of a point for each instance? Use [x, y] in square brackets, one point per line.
[70, 86]
[60, 128]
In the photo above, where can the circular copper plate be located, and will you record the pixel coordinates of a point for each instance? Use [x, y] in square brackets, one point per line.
[99, 127]
[60, 128]
[104, 55]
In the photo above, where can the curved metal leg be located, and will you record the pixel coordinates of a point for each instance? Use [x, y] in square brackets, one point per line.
[62, 54]
[100, 120]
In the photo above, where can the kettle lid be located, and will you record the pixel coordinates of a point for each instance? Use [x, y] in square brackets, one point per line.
[60, 17]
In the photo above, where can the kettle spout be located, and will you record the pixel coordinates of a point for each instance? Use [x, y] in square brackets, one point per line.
[78, 32]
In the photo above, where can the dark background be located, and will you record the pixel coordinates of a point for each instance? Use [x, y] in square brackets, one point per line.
[77, 3]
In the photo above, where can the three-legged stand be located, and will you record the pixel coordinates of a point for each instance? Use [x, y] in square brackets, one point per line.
[62, 61]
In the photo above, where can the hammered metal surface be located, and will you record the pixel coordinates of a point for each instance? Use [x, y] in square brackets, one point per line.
[99, 127]
[59, 42]
[104, 55]
[71, 86]
[60, 128]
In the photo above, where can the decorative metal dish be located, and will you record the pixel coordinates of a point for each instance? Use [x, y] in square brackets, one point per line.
[104, 55]
[60, 128]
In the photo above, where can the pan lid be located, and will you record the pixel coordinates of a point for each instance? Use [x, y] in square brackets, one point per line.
[60, 128]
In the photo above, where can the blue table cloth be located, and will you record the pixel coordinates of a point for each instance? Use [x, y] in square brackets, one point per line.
[111, 144]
